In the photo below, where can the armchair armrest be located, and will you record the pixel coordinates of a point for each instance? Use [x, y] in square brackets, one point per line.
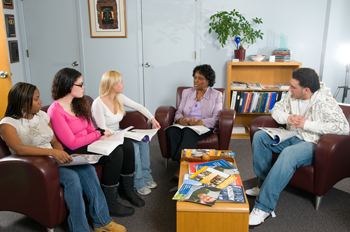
[226, 122]
[332, 161]
[262, 121]
[165, 116]
[136, 119]
[31, 184]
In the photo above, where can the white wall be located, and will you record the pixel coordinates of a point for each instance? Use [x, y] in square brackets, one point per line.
[338, 36]
[302, 22]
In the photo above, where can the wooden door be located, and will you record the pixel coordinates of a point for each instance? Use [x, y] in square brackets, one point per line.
[5, 83]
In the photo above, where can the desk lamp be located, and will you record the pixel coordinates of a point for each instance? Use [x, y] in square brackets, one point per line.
[344, 55]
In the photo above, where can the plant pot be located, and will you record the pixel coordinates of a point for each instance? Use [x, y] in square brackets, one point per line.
[240, 54]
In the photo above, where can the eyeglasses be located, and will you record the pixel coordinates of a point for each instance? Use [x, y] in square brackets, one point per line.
[81, 85]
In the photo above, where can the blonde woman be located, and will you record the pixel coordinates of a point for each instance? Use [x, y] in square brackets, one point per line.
[108, 111]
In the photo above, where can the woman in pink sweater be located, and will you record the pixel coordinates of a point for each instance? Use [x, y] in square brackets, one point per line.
[71, 120]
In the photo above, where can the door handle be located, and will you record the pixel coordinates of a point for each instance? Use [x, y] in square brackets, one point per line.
[4, 74]
[147, 64]
[75, 63]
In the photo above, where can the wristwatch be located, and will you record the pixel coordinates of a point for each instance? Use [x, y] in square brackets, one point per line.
[102, 131]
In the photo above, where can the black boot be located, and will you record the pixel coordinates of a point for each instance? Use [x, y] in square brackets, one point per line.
[115, 208]
[127, 191]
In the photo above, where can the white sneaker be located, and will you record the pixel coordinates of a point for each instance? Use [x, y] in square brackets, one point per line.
[151, 184]
[144, 191]
[253, 192]
[257, 217]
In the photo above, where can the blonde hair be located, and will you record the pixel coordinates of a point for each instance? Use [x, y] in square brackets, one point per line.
[108, 80]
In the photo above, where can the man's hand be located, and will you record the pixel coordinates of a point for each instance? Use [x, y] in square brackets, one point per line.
[296, 121]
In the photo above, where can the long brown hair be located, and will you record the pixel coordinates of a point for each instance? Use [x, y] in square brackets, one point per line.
[20, 100]
[62, 85]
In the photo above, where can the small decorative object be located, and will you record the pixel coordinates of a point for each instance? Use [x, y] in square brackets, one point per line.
[272, 59]
[257, 58]
[107, 19]
[7, 4]
[233, 24]
[237, 40]
[10, 25]
[206, 156]
[13, 49]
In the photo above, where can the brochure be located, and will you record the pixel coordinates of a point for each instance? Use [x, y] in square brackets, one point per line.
[213, 178]
[232, 193]
[81, 159]
[105, 147]
[220, 165]
[197, 152]
[197, 194]
[279, 134]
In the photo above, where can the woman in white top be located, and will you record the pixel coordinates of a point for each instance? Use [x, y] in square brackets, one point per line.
[27, 131]
[108, 111]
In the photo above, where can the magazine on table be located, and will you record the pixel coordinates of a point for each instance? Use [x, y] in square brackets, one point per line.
[106, 146]
[227, 153]
[220, 165]
[232, 193]
[198, 129]
[81, 159]
[141, 134]
[197, 152]
[197, 194]
[213, 178]
[279, 134]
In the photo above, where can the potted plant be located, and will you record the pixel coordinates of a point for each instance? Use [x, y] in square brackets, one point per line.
[234, 25]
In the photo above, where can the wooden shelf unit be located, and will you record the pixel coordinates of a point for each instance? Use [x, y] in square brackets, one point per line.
[266, 73]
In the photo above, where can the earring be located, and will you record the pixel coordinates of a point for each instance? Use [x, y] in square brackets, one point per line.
[23, 112]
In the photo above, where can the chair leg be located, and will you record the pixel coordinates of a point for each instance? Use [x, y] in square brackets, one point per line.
[50, 230]
[318, 202]
[166, 163]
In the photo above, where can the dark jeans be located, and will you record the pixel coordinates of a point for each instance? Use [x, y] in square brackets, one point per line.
[120, 161]
[183, 139]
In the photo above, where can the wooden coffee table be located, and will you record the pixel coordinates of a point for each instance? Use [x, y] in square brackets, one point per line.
[223, 216]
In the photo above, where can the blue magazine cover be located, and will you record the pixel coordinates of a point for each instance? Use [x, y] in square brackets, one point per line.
[222, 165]
[232, 193]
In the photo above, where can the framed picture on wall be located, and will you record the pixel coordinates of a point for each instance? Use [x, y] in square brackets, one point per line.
[10, 25]
[7, 4]
[13, 49]
[107, 18]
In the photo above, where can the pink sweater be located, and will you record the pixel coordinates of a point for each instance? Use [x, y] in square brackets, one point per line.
[71, 131]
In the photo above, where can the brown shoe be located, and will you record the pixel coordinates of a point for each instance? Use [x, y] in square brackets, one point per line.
[113, 227]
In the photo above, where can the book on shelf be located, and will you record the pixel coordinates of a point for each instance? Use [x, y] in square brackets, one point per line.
[212, 177]
[238, 85]
[279, 134]
[256, 86]
[141, 134]
[197, 152]
[81, 159]
[106, 146]
[271, 86]
[233, 99]
[197, 194]
[198, 129]
[283, 85]
[238, 129]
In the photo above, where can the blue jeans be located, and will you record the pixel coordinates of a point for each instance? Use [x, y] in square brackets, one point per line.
[294, 153]
[142, 164]
[78, 179]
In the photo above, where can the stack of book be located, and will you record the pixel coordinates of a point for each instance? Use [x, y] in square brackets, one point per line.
[238, 85]
[282, 55]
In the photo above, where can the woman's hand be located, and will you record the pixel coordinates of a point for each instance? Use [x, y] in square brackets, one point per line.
[183, 121]
[107, 134]
[195, 122]
[155, 123]
[61, 156]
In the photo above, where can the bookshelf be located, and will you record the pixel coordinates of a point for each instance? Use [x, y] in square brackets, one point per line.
[266, 73]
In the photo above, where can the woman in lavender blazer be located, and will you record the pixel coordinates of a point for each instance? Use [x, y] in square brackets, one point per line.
[199, 105]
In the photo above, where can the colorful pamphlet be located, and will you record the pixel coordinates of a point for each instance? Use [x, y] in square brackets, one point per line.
[213, 178]
[232, 193]
[197, 194]
[221, 165]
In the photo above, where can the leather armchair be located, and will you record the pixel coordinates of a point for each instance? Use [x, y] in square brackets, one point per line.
[219, 141]
[30, 185]
[332, 160]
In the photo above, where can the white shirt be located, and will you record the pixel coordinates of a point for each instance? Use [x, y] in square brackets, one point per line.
[105, 119]
[34, 132]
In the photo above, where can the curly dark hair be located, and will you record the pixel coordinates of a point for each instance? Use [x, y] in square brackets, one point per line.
[62, 85]
[308, 78]
[207, 72]
[20, 100]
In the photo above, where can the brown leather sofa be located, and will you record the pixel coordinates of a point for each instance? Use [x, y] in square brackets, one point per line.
[30, 184]
[332, 160]
[219, 141]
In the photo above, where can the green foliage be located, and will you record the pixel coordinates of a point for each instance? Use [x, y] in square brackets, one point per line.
[233, 24]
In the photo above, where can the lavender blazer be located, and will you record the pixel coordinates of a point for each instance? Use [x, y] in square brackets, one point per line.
[211, 104]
